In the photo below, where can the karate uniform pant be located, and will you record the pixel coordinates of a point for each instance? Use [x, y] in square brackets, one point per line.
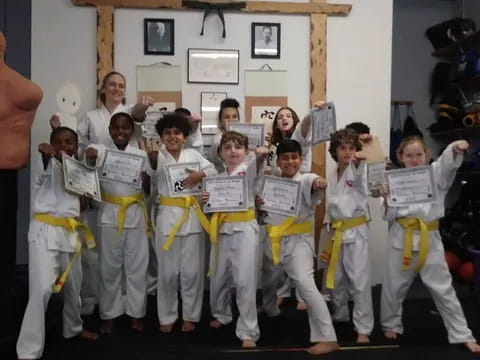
[298, 264]
[436, 277]
[44, 267]
[353, 276]
[90, 266]
[181, 268]
[126, 254]
[236, 264]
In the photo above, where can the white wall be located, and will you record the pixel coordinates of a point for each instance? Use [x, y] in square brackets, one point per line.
[359, 58]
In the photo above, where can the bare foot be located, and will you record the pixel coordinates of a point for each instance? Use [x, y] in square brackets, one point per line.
[188, 326]
[363, 339]
[301, 306]
[390, 334]
[88, 335]
[280, 301]
[473, 347]
[166, 328]
[323, 348]
[248, 344]
[216, 324]
[136, 324]
[106, 327]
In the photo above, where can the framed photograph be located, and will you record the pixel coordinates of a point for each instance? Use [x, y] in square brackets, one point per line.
[227, 194]
[123, 167]
[210, 106]
[159, 36]
[213, 66]
[79, 179]
[266, 40]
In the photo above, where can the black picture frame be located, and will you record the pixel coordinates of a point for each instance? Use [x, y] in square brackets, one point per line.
[156, 43]
[262, 49]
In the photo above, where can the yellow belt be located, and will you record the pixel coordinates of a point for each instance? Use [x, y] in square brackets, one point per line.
[71, 225]
[409, 225]
[125, 202]
[332, 250]
[287, 227]
[228, 217]
[185, 203]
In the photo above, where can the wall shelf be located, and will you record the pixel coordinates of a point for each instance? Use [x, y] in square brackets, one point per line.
[459, 47]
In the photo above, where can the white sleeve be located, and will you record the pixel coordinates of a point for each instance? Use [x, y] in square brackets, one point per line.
[445, 167]
[83, 131]
[195, 140]
[391, 213]
[100, 157]
[311, 197]
[206, 166]
[306, 141]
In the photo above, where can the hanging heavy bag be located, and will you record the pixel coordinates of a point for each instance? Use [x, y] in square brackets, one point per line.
[396, 135]
[410, 127]
[449, 31]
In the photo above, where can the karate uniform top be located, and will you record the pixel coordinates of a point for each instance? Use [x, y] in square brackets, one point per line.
[169, 215]
[108, 215]
[347, 198]
[51, 197]
[195, 140]
[305, 143]
[247, 168]
[444, 170]
[308, 201]
[93, 127]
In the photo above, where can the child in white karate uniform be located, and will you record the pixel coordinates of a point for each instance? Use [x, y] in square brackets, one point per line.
[228, 113]
[347, 253]
[180, 240]
[236, 250]
[291, 246]
[123, 224]
[53, 248]
[422, 252]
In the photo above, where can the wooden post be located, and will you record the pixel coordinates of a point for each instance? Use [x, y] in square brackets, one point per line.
[105, 31]
[318, 91]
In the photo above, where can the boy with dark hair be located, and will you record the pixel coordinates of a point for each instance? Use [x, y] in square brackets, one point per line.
[290, 243]
[53, 248]
[347, 253]
[179, 238]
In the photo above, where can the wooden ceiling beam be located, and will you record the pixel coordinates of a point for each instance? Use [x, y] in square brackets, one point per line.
[250, 6]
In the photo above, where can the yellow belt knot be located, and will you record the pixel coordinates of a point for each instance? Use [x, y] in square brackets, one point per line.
[186, 203]
[219, 218]
[124, 202]
[331, 252]
[71, 225]
[287, 227]
[410, 225]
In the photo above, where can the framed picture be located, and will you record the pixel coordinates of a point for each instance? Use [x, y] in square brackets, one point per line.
[159, 36]
[212, 66]
[266, 40]
[210, 106]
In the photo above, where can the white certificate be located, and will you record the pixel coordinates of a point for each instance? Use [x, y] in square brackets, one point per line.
[376, 174]
[324, 123]
[281, 196]
[254, 132]
[411, 186]
[123, 167]
[227, 194]
[79, 179]
[176, 174]
[148, 125]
